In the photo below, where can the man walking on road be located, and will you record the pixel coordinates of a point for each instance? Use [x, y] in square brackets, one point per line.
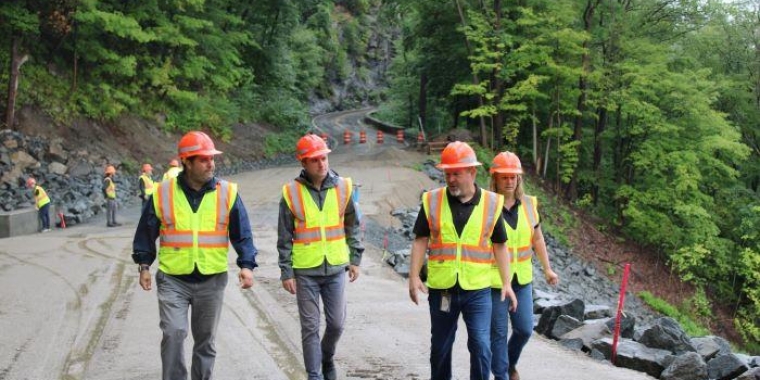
[109, 192]
[463, 227]
[196, 216]
[317, 243]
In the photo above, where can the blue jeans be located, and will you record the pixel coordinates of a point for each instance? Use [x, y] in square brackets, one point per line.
[506, 355]
[44, 215]
[475, 307]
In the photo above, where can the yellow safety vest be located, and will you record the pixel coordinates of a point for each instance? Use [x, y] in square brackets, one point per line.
[319, 234]
[468, 258]
[147, 183]
[173, 172]
[110, 189]
[41, 197]
[520, 244]
[193, 239]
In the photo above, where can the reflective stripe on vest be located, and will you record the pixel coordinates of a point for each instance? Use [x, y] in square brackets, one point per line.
[41, 197]
[110, 189]
[466, 258]
[147, 184]
[193, 239]
[318, 234]
[520, 244]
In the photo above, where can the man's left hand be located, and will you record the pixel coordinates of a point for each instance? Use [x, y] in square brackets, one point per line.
[245, 278]
[353, 272]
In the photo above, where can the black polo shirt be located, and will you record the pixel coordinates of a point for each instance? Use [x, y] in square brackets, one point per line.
[510, 215]
[461, 213]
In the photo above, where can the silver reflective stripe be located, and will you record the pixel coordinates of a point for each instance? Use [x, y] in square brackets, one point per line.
[223, 187]
[310, 235]
[177, 238]
[167, 190]
[189, 149]
[212, 240]
[342, 187]
[443, 251]
[435, 204]
[331, 234]
[530, 209]
[295, 200]
[476, 255]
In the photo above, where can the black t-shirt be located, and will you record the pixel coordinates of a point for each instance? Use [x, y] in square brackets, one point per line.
[510, 215]
[461, 213]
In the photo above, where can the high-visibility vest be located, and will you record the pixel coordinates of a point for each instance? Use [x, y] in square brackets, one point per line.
[147, 183]
[173, 172]
[41, 197]
[110, 189]
[520, 244]
[468, 258]
[318, 235]
[193, 239]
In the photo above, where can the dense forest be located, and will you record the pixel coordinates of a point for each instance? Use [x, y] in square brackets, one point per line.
[644, 112]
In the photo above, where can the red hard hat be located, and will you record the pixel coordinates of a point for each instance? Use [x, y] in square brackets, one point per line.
[506, 162]
[458, 155]
[311, 146]
[110, 169]
[30, 182]
[147, 167]
[196, 143]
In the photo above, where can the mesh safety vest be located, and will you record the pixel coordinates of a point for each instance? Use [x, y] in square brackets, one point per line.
[147, 183]
[520, 244]
[319, 234]
[189, 239]
[110, 189]
[468, 258]
[41, 197]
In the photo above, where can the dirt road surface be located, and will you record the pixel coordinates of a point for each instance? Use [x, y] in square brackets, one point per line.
[71, 308]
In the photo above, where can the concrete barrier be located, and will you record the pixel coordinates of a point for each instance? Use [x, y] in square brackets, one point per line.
[19, 222]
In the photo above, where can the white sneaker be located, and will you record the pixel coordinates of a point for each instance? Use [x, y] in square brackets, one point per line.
[46, 230]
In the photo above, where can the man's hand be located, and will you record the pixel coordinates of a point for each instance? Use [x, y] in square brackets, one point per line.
[353, 272]
[416, 284]
[245, 278]
[145, 280]
[289, 285]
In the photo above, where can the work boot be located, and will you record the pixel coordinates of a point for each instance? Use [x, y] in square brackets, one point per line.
[328, 371]
[513, 375]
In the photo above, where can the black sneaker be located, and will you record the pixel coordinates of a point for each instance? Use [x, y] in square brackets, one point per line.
[329, 372]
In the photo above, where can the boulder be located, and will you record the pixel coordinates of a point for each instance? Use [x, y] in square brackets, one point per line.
[667, 334]
[725, 367]
[688, 366]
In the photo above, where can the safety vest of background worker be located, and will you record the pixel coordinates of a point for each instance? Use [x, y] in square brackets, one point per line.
[173, 171]
[110, 188]
[188, 239]
[466, 258]
[147, 181]
[40, 196]
[319, 234]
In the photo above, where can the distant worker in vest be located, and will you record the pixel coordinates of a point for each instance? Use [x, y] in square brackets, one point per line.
[525, 238]
[318, 243]
[146, 184]
[195, 216]
[109, 192]
[41, 204]
[462, 226]
[173, 171]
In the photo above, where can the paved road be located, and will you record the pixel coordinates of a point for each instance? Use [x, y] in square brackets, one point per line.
[71, 308]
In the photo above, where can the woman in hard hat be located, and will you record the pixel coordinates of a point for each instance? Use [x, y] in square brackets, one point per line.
[524, 234]
[41, 203]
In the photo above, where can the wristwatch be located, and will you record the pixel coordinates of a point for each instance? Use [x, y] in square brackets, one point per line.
[143, 267]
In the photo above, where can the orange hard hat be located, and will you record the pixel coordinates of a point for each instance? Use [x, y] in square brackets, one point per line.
[196, 143]
[110, 169]
[147, 168]
[311, 146]
[173, 162]
[506, 162]
[30, 182]
[458, 155]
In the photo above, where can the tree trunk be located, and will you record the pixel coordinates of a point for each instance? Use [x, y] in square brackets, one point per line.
[16, 62]
[475, 80]
[423, 101]
[601, 125]
[497, 86]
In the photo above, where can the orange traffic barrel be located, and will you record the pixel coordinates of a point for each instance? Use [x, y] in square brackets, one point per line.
[347, 137]
[380, 137]
[400, 136]
[362, 137]
[420, 138]
[323, 135]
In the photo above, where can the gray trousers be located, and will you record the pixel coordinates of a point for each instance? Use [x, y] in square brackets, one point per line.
[205, 301]
[110, 211]
[332, 290]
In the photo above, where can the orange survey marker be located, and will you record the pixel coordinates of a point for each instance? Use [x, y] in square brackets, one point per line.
[400, 136]
[63, 220]
[362, 137]
[347, 137]
[380, 137]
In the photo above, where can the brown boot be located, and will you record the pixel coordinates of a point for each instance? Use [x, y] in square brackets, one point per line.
[513, 375]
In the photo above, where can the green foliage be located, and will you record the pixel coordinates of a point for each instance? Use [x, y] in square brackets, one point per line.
[281, 143]
[690, 326]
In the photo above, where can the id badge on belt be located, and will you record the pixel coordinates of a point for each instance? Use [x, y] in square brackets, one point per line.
[445, 302]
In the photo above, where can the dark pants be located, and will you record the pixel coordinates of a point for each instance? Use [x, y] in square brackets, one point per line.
[44, 216]
[506, 355]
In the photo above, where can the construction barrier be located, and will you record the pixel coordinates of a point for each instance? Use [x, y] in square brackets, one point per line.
[400, 136]
[347, 137]
[380, 137]
[362, 137]
[420, 138]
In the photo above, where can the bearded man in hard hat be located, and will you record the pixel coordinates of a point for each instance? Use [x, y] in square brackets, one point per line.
[41, 203]
[318, 243]
[146, 184]
[195, 216]
[173, 171]
[109, 192]
[462, 226]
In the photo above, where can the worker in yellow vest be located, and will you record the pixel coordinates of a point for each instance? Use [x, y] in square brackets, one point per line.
[41, 204]
[195, 216]
[146, 184]
[318, 243]
[525, 238]
[461, 225]
[173, 171]
[109, 192]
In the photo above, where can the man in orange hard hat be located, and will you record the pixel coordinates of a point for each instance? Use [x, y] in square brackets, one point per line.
[41, 203]
[146, 183]
[173, 171]
[109, 192]
[195, 216]
[318, 243]
[462, 226]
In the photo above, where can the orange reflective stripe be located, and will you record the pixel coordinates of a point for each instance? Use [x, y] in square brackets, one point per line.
[435, 204]
[166, 203]
[223, 189]
[295, 200]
